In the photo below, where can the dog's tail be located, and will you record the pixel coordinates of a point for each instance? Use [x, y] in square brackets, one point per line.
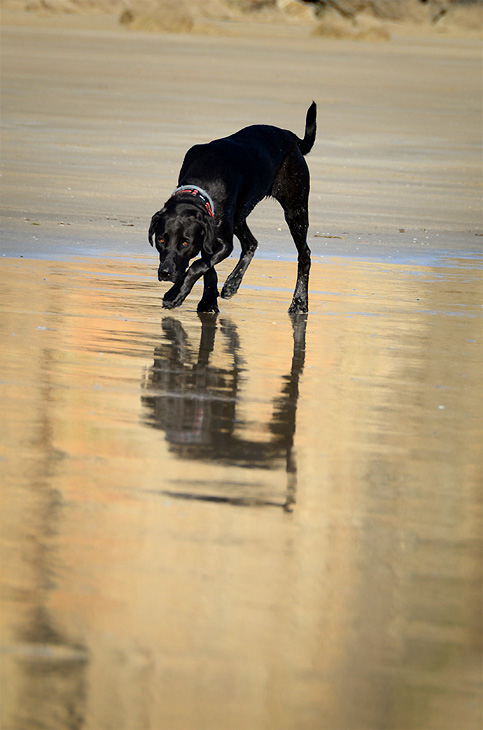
[306, 144]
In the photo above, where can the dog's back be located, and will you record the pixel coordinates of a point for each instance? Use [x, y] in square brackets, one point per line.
[246, 162]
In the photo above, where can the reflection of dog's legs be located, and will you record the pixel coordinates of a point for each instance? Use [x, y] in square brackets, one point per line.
[299, 326]
[234, 348]
[174, 331]
[207, 339]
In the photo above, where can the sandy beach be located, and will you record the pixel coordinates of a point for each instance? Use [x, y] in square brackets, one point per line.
[96, 124]
[243, 521]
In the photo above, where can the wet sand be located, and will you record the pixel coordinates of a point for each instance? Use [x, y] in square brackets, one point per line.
[240, 522]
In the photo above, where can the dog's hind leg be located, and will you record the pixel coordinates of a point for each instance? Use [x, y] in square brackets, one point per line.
[291, 189]
[248, 247]
[298, 224]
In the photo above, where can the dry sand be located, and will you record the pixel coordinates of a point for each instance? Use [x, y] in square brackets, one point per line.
[96, 123]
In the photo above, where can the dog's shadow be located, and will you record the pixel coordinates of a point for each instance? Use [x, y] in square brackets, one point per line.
[194, 401]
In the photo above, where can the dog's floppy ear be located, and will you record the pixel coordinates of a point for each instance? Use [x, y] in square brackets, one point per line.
[154, 222]
[209, 234]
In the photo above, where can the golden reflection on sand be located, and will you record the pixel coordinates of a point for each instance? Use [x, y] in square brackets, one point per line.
[242, 521]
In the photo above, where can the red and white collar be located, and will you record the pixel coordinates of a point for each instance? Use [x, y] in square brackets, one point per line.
[199, 193]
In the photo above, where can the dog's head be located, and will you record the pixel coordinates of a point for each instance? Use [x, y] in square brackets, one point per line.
[180, 231]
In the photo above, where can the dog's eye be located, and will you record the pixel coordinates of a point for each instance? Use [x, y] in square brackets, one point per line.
[185, 243]
[160, 240]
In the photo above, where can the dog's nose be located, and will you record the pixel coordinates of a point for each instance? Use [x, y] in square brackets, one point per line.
[164, 273]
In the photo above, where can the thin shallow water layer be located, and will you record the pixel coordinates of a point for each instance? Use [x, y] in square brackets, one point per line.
[242, 521]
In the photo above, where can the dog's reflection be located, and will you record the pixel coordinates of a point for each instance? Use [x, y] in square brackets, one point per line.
[193, 400]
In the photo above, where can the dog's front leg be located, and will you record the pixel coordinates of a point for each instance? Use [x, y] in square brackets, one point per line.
[171, 296]
[210, 293]
[178, 293]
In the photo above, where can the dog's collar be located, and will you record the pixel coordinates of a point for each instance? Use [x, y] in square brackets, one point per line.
[199, 193]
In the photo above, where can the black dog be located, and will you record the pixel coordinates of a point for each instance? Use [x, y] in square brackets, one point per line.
[219, 185]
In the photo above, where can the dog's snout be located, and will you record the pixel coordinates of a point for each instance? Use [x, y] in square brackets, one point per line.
[165, 273]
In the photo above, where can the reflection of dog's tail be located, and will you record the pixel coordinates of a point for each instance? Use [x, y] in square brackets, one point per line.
[306, 144]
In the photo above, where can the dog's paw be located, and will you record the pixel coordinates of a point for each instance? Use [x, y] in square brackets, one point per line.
[208, 307]
[228, 291]
[172, 298]
[171, 303]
